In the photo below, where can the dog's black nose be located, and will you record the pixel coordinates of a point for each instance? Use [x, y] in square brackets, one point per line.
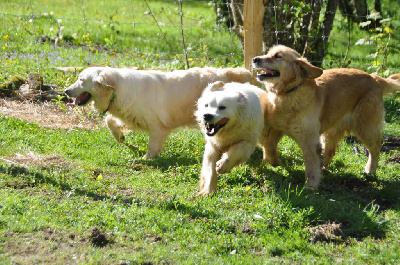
[208, 117]
[256, 59]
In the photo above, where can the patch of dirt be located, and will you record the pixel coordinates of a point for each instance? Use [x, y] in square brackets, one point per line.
[390, 143]
[247, 230]
[330, 232]
[32, 159]
[98, 239]
[51, 115]
[43, 247]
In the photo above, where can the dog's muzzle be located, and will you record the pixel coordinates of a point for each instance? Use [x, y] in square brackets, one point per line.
[265, 72]
[213, 128]
[81, 100]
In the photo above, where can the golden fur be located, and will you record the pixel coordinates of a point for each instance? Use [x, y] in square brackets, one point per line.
[317, 107]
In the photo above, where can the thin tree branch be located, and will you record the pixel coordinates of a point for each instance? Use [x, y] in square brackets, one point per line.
[183, 35]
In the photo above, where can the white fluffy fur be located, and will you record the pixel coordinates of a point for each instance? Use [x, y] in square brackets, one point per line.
[235, 142]
[152, 101]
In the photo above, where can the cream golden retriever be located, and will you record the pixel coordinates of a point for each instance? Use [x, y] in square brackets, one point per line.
[231, 118]
[317, 107]
[152, 101]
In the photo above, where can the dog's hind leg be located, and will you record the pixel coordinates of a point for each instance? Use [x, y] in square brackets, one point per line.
[368, 125]
[157, 139]
[372, 141]
[330, 142]
[115, 127]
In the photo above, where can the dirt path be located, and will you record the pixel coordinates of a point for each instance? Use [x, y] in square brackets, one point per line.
[51, 115]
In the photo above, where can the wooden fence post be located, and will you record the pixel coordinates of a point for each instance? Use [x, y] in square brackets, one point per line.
[252, 26]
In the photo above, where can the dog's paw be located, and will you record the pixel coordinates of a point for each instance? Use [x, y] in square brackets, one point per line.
[312, 186]
[221, 167]
[149, 156]
[121, 138]
[205, 192]
[273, 162]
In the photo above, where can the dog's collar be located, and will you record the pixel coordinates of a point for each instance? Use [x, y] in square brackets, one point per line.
[292, 90]
[111, 100]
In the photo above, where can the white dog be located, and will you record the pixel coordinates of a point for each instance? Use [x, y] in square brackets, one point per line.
[232, 119]
[152, 101]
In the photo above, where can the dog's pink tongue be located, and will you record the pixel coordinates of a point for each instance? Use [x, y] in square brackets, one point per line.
[268, 72]
[73, 104]
[222, 121]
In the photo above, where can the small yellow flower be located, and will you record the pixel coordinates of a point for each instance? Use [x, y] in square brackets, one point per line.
[247, 188]
[5, 37]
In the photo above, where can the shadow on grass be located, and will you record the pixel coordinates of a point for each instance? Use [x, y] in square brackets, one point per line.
[24, 177]
[193, 212]
[164, 163]
[345, 199]
[353, 201]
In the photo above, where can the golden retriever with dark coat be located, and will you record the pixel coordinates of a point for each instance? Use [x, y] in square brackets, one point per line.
[317, 107]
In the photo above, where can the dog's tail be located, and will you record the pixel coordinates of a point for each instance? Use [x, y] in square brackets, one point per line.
[390, 84]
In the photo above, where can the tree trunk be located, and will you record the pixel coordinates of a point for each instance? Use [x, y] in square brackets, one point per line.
[303, 26]
[316, 50]
[347, 9]
[377, 6]
[236, 7]
[361, 10]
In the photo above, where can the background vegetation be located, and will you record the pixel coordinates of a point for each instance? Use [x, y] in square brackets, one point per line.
[76, 196]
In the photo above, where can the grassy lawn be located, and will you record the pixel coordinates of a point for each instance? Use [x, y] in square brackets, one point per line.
[70, 195]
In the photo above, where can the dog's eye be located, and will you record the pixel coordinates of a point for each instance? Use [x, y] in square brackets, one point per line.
[278, 56]
[206, 105]
[221, 107]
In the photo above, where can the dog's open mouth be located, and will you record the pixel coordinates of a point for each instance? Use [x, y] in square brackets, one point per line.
[267, 73]
[81, 100]
[213, 128]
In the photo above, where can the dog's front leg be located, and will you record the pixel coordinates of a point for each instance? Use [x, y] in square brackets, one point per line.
[269, 140]
[237, 154]
[115, 127]
[156, 142]
[312, 155]
[208, 175]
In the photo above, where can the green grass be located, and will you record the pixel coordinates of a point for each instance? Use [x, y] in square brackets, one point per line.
[114, 33]
[58, 187]
[146, 211]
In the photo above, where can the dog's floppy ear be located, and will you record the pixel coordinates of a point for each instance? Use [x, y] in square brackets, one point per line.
[216, 86]
[106, 78]
[310, 70]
